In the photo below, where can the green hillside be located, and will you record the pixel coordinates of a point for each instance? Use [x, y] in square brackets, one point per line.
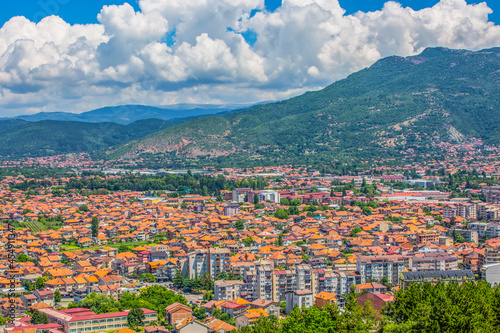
[395, 105]
[50, 137]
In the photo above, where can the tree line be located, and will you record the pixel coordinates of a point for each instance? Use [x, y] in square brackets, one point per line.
[422, 308]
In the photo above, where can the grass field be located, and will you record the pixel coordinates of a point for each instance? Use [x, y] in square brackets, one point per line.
[35, 226]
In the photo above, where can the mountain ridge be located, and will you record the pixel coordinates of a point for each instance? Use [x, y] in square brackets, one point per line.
[127, 114]
[21, 138]
[398, 103]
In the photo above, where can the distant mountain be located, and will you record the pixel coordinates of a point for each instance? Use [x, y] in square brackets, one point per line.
[397, 105]
[126, 114]
[49, 137]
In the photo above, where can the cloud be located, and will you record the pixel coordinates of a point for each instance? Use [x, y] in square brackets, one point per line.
[195, 51]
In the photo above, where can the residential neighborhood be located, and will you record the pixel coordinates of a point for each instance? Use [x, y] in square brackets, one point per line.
[297, 243]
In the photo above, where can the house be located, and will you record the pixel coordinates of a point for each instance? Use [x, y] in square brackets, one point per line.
[177, 312]
[85, 242]
[377, 300]
[45, 295]
[220, 326]
[250, 317]
[270, 307]
[29, 300]
[324, 298]
[233, 309]
[190, 325]
[371, 287]
[156, 329]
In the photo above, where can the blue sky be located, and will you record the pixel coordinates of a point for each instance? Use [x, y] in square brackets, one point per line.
[213, 51]
[85, 11]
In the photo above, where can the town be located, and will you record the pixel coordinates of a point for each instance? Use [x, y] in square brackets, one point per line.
[237, 245]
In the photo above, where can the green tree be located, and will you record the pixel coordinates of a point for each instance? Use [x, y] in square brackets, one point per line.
[280, 240]
[248, 241]
[148, 277]
[83, 208]
[95, 226]
[38, 318]
[222, 276]
[178, 280]
[199, 313]
[123, 248]
[367, 211]
[57, 296]
[72, 305]
[255, 199]
[28, 285]
[281, 214]
[39, 283]
[99, 303]
[135, 318]
[355, 230]
[239, 225]
[208, 295]
[293, 210]
[22, 258]
[457, 237]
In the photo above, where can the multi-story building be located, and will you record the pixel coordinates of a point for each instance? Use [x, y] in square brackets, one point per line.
[480, 227]
[231, 209]
[469, 235]
[238, 268]
[241, 194]
[493, 230]
[264, 283]
[84, 320]
[434, 277]
[283, 282]
[227, 289]
[266, 195]
[345, 280]
[467, 210]
[464, 209]
[219, 261]
[492, 194]
[426, 236]
[490, 256]
[433, 261]
[299, 298]
[450, 212]
[249, 289]
[304, 278]
[374, 268]
[197, 263]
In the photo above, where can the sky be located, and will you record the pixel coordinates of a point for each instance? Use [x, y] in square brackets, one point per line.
[75, 55]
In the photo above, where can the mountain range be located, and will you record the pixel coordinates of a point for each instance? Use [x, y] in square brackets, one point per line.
[398, 105]
[127, 114]
[19, 137]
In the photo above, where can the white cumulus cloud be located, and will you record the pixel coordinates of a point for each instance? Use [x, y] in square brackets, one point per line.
[215, 50]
